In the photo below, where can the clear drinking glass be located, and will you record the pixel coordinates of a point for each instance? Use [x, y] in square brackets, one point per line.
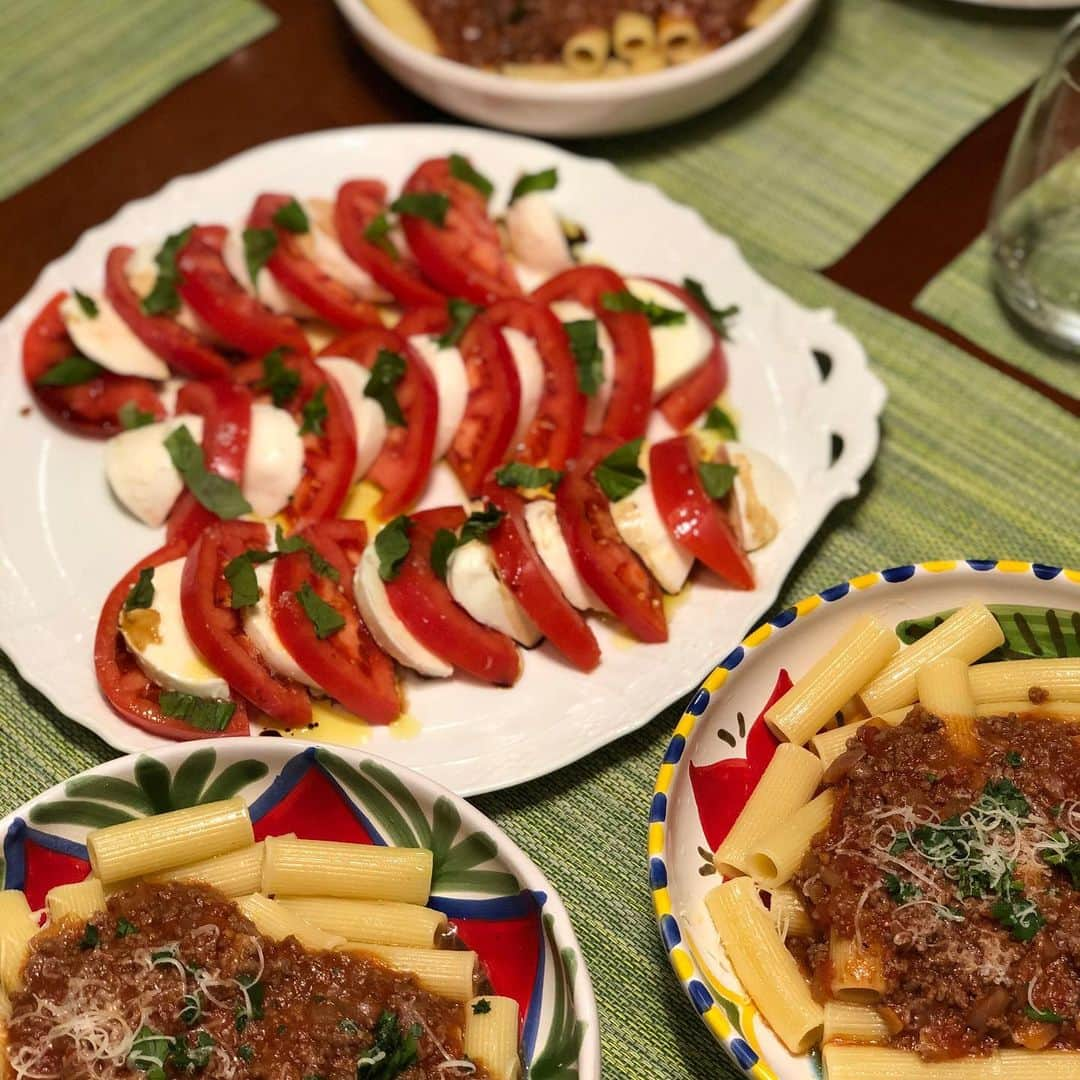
[1035, 217]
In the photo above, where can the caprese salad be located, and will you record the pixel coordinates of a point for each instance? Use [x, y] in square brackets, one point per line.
[249, 379]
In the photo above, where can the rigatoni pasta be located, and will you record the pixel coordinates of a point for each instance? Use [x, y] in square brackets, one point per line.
[945, 690]
[853, 1023]
[491, 1035]
[678, 36]
[778, 853]
[380, 922]
[633, 34]
[1037, 680]
[77, 901]
[788, 912]
[17, 927]
[278, 922]
[586, 52]
[236, 873]
[450, 973]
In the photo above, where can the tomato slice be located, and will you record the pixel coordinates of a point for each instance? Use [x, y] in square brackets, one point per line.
[358, 203]
[162, 335]
[348, 665]
[554, 436]
[424, 604]
[463, 256]
[302, 277]
[608, 566]
[697, 390]
[693, 519]
[217, 630]
[218, 299]
[134, 696]
[91, 408]
[525, 575]
[628, 410]
[403, 464]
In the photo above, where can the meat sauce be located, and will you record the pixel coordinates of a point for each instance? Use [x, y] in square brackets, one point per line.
[488, 34]
[175, 977]
[964, 876]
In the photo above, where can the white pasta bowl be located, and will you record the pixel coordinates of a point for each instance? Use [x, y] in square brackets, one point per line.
[605, 106]
[721, 745]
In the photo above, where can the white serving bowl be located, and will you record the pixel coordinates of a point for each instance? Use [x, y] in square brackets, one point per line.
[588, 107]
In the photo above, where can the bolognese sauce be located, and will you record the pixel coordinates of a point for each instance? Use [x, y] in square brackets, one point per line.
[961, 877]
[172, 980]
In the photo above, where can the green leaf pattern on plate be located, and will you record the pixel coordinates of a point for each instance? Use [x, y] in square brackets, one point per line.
[559, 1058]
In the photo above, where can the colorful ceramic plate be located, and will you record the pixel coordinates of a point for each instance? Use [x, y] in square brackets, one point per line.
[721, 747]
[65, 541]
[503, 907]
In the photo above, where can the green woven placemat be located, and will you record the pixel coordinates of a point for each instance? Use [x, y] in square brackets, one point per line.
[948, 482]
[72, 70]
[872, 96]
[962, 297]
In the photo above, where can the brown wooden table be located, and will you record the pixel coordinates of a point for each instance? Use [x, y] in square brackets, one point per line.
[310, 74]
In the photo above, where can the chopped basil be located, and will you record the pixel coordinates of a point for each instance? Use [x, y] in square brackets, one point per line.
[131, 416]
[206, 714]
[243, 584]
[537, 181]
[619, 473]
[518, 474]
[429, 205]
[163, 299]
[259, 245]
[1014, 759]
[245, 1052]
[149, 1051]
[91, 937]
[125, 928]
[282, 382]
[719, 317]
[626, 301]
[477, 525]
[286, 545]
[387, 371]
[461, 313]
[1019, 916]
[325, 618]
[392, 545]
[87, 303]
[481, 1007]
[717, 479]
[191, 1010]
[392, 1052]
[292, 217]
[378, 233]
[461, 169]
[187, 1058]
[1005, 795]
[443, 545]
[219, 495]
[584, 344]
[900, 891]
[142, 592]
[314, 413]
[480, 522]
[255, 994]
[1059, 851]
[1044, 1016]
[73, 370]
[716, 419]
[900, 845]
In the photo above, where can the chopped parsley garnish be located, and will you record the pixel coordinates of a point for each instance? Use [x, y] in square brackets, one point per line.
[191, 1010]
[131, 416]
[254, 994]
[1014, 759]
[73, 370]
[900, 891]
[931, 778]
[378, 233]
[259, 245]
[163, 299]
[245, 1052]
[716, 419]
[206, 714]
[545, 180]
[387, 371]
[1059, 851]
[282, 382]
[91, 937]
[1044, 1016]
[125, 928]
[461, 169]
[149, 1052]
[1004, 795]
[292, 217]
[518, 474]
[583, 335]
[392, 545]
[314, 413]
[187, 1058]
[481, 1007]
[461, 313]
[142, 592]
[219, 495]
[477, 525]
[900, 845]
[657, 315]
[429, 205]
[86, 303]
[392, 1052]
[619, 473]
[325, 618]
[718, 317]
[717, 479]
[1018, 915]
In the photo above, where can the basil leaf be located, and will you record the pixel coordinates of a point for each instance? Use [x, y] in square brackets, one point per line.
[91, 937]
[717, 479]
[619, 474]
[483, 1005]
[392, 1052]
[538, 181]
[392, 545]
[583, 335]
[142, 592]
[461, 313]
[71, 371]
[378, 233]
[479, 523]
[163, 299]
[281, 381]
[87, 303]
[240, 574]
[314, 413]
[1044, 1016]
[259, 245]
[518, 474]
[220, 496]
[292, 217]
[125, 928]
[325, 618]
[429, 205]
[719, 421]
[131, 416]
[149, 1049]
[626, 301]
[206, 714]
[443, 545]
[461, 169]
[286, 545]
[387, 371]
[719, 317]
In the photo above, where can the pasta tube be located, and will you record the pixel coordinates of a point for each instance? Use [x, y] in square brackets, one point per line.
[633, 34]
[834, 679]
[858, 974]
[405, 20]
[586, 52]
[380, 922]
[787, 784]
[491, 1036]
[1058, 680]
[359, 871]
[969, 633]
[768, 972]
[778, 854]
[844, 1062]
[829, 745]
[237, 873]
[277, 922]
[1064, 710]
[944, 690]
[853, 1023]
[148, 845]
[447, 972]
[789, 913]
[648, 60]
[78, 901]
[17, 927]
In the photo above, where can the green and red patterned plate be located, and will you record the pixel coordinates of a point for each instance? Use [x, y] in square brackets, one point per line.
[502, 905]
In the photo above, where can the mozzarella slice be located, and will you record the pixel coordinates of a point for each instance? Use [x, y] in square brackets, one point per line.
[107, 339]
[266, 289]
[274, 462]
[368, 417]
[141, 473]
[169, 393]
[679, 348]
[142, 273]
[571, 311]
[386, 628]
[547, 536]
[530, 371]
[158, 639]
[325, 249]
[762, 496]
[536, 235]
[475, 584]
[643, 530]
[452, 384]
[260, 629]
